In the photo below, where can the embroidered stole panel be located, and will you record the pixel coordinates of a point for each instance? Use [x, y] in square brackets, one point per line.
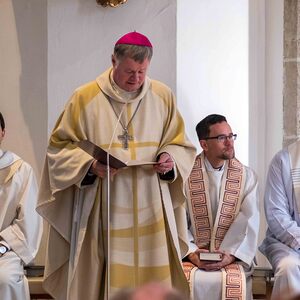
[209, 234]
[234, 282]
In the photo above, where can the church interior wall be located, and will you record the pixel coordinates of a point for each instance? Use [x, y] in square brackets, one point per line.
[23, 81]
[212, 65]
[81, 35]
[23, 77]
[51, 47]
[265, 92]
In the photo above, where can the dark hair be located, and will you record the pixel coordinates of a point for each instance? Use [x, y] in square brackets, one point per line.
[137, 53]
[203, 127]
[2, 123]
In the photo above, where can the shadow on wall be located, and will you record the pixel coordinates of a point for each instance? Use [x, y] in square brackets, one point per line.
[31, 27]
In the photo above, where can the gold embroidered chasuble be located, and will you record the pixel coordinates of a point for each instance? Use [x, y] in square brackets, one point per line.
[148, 236]
[209, 233]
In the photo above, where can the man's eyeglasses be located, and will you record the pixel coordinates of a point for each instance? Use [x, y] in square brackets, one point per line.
[222, 137]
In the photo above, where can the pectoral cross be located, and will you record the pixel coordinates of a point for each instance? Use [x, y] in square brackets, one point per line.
[124, 138]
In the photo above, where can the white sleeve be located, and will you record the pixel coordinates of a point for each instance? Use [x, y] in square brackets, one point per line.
[279, 202]
[24, 234]
[242, 236]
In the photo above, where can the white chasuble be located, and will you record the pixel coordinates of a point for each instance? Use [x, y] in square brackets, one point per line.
[148, 236]
[215, 203]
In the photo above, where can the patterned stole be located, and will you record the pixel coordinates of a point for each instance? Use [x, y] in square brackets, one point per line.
[294, 154]
[209, 235]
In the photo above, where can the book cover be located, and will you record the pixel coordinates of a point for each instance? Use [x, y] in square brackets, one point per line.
[101, 155]
[213, 256]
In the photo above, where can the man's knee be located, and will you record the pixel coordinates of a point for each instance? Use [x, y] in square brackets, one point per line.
[287, 265]
[9, 278]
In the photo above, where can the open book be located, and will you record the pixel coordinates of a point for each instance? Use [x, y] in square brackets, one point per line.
[210, 256]
[101, 155]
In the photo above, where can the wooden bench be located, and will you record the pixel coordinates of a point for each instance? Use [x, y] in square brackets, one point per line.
[262, 283]
[34, 275]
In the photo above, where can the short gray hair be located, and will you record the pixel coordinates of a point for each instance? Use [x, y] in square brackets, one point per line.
[137, 53]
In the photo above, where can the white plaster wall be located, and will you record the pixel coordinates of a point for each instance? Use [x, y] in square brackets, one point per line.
[81, 36]
[265, 91]
[265, 82]
[23, 76]
[212, 65]
[23, 81]
[257, 104]
[274, 84]
[274, 77]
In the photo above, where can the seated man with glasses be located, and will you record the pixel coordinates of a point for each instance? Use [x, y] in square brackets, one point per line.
[223, 217]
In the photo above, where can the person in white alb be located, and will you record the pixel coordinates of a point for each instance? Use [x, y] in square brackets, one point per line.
[282, 208]
[222, 202]
[20, 225]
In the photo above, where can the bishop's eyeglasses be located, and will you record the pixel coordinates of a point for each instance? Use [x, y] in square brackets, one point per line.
[223, 138]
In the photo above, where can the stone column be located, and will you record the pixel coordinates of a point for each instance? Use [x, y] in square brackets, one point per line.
[291, 80]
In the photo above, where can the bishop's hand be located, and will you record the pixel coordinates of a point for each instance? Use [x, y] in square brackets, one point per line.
[100, 170]
[165, 163]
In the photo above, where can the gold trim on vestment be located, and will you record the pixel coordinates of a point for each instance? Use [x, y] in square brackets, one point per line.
[135, 224]
[7, 173]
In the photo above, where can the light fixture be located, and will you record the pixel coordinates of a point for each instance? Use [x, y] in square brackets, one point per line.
[111, 3]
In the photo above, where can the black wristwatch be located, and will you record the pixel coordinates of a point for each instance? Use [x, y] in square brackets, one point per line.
[3, 250]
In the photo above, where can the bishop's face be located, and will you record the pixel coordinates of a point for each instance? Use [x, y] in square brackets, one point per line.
[129, 74]
[217, 151]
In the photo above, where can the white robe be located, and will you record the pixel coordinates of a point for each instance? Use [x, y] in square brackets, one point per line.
[20, 225]
[240, 240]
[147, 214]
[282, 243]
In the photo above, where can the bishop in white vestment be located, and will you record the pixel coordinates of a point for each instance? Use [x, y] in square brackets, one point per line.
[134, 118]
[222, 201]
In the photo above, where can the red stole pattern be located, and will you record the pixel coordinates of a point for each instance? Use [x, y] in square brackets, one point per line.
[209, 235]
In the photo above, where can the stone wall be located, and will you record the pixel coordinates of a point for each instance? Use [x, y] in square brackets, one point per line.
[291, 100]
